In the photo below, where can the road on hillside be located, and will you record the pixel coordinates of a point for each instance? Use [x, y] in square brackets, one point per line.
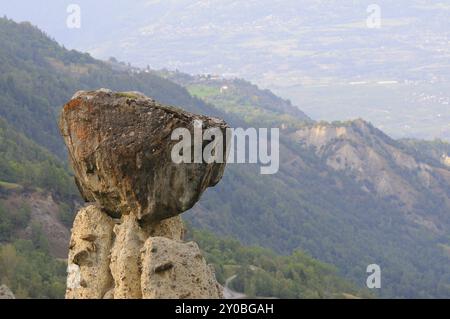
[228, 293]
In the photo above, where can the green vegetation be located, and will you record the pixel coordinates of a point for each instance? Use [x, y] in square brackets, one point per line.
[11, 220]
[327, 214]
[262, 273]
[9, 186]
[28, 269]
[37, 76]
[30, 272]
[129, 95]
[202, 91]
[24, 163]
[307, 206]
[242, 99]
[330, 217]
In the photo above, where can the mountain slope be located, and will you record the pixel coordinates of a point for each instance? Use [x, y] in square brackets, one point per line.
[331, 215]
[37, 76]
[24, 162]
[341, 214]
[384, 168]
[239, 97]
[437, 150]
[317, 53]
[37, 194]
[348, 194]
[259, 272]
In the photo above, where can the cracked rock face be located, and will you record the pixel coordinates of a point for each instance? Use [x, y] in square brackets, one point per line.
[120, 148]
[128, 243]
[170, 269]
[89, 276]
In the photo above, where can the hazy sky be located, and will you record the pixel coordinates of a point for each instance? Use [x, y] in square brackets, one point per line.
[328, 57]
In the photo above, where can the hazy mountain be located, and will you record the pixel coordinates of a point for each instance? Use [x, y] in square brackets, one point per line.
[320, 54]
[346, 193]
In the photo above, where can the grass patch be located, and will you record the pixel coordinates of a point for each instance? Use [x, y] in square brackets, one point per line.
[202, 91]
[10, 186]
[129, 95]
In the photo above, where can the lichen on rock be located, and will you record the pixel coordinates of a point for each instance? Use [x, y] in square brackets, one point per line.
[120, 148]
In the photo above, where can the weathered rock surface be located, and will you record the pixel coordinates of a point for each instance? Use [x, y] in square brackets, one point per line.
[172, 228]
[6, 293]
[125, 259]
[176, 270]
[89, 276]
[120, 259]
[120, 147]
[129, 244]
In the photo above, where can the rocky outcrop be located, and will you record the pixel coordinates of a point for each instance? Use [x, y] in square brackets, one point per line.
[125, 258]
[89, 276]
[170, 269]
[128, 242]
[6, 293]
[382, 166]
[120, 146]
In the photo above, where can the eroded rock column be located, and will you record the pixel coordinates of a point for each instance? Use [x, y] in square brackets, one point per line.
[89, 276]
[128, 242]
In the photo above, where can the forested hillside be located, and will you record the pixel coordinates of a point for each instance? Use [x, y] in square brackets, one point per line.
[242, 98]
[24, 163]
[37, 192]
[262, 273]
[437, 150]
[346, 192]
[329, 198]
[37, 76]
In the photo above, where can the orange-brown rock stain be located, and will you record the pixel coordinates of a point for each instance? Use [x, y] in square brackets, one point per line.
[72, 104]
[82, 132]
